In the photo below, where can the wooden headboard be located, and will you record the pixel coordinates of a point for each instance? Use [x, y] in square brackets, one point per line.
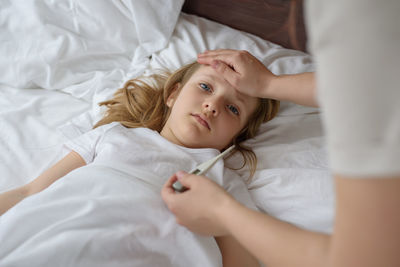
[278, 21]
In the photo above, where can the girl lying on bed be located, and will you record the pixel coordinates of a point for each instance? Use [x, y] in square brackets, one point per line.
[108, 206]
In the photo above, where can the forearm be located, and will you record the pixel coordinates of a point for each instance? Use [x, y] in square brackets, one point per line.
[234, 254]
[274, 242]
[72, 161]
[296, 88]
[11, 198]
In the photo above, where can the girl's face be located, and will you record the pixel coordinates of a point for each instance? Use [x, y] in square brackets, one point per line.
[207, 112]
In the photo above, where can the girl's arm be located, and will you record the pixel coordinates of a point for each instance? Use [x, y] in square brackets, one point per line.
[249, 76]
[234, 254]
[70, 162]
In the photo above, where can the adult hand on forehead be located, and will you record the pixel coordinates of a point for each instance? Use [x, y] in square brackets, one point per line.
[241, 69]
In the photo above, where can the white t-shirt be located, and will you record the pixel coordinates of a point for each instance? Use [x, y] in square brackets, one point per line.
[145, 154]
[356, 45]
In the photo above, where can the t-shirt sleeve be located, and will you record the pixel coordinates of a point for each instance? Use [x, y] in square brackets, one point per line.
[356, 48]
[86, 144]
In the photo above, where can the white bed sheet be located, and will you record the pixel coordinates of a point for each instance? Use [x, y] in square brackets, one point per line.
[292, 181]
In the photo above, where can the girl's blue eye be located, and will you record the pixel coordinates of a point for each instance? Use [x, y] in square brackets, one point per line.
[205, 87]
[233, 109]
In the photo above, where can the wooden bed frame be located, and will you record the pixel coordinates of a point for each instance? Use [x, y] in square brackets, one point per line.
[278, 21]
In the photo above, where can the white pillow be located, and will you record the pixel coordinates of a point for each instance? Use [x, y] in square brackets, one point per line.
[194, 34]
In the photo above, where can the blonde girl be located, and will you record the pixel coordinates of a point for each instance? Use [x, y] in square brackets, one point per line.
[153, 127]
[145, 104]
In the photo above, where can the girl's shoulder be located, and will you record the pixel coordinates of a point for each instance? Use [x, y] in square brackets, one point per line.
[116, 128]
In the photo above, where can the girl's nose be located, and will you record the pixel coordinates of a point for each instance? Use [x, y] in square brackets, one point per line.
[211, 107]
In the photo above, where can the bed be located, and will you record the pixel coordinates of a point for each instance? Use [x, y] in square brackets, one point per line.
[60, 58]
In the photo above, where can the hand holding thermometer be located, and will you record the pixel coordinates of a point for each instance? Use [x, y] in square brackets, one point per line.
[202, 168]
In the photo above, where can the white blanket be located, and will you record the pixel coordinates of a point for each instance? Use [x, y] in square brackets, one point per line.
[98, 216]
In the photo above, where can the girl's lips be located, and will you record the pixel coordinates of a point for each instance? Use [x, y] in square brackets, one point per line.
[201, 121]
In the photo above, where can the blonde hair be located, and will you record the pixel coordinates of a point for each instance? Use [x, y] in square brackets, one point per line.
[142, 103]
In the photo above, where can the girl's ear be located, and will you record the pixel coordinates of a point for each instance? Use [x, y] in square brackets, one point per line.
[173, 95]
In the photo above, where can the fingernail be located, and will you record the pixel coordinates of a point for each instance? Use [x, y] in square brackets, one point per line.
[180, 174]
[202, 54]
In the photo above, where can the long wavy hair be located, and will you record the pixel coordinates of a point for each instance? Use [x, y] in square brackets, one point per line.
[142, 103]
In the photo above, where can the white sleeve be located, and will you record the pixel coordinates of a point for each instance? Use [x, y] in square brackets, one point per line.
[86, 144]
[356, 47]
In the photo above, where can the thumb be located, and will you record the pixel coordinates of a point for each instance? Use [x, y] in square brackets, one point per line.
[227, 72]
[184, 178]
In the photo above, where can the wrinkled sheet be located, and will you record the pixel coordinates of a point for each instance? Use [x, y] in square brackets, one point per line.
[81, 47]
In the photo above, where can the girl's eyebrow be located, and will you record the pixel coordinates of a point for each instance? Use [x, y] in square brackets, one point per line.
[237, 94]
